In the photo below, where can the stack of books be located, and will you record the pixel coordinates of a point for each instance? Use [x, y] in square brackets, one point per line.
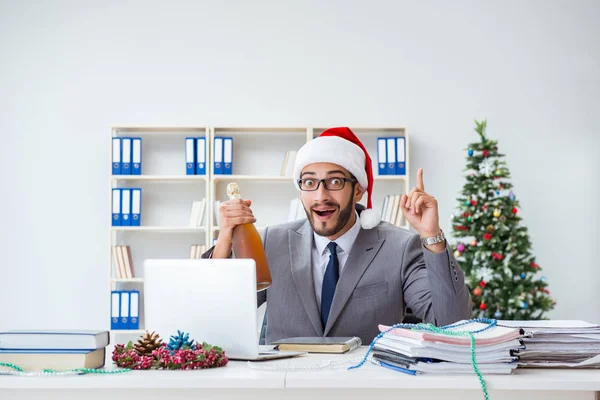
[122, 262]
[418, 351]
[287, 169]
[197, 213]
[391, 211]
[558, 343]
[55, 350]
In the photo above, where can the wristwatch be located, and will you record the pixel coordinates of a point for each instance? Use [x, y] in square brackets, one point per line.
[433, 240]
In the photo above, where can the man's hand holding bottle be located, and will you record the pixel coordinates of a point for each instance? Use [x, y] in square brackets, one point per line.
[231, 214]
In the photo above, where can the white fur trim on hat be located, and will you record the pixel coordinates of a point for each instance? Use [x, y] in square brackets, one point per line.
[335, 150]
[369, 218]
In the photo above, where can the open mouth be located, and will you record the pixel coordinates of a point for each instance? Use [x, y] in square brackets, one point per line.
[324, 213]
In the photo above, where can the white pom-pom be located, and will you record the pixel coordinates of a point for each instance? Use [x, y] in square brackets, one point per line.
[369, 218]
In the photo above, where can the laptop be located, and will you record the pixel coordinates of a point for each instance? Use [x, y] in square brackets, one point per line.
[214, 300]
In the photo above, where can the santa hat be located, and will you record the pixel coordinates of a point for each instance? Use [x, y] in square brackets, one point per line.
[341, 146]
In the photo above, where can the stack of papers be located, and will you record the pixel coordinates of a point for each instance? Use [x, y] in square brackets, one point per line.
[417, 351]
[559, 343]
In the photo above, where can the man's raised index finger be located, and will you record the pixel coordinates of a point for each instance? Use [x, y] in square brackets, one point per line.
[420, 179]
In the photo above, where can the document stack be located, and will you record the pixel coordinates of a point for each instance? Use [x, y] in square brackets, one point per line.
[558, 343]
[54, 350]
[415, 351]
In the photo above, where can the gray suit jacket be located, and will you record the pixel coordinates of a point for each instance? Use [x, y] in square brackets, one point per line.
[387, 271]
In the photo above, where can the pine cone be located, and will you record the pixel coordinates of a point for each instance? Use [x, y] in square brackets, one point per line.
[148, 343]
[179, 341]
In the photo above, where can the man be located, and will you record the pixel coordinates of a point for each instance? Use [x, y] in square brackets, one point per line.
[342, 272]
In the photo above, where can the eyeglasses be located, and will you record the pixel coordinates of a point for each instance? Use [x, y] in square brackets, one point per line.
[311, 184]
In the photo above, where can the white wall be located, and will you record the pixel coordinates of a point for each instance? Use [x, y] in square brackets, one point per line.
[70, 70]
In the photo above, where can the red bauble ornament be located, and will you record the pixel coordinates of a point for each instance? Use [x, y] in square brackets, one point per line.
[465, 215]
[514, 210]
[534, 265]
[482, 306]
[483, 207]
[497, 256]
[486, 153]
[473, 202]
[477, 291]
[482, 283]
[487, 236]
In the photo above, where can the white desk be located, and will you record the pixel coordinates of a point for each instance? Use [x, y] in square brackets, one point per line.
[290, 381]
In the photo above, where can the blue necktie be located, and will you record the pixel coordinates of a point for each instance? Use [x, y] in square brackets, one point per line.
[332, 274]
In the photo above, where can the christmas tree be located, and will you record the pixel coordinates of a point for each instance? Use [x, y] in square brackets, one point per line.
[492, 246]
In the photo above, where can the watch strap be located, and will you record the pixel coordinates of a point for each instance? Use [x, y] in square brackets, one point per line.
[434, 240]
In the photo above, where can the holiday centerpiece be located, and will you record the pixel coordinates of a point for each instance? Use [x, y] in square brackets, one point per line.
[150, 352]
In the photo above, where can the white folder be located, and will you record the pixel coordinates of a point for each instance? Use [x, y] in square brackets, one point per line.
[136, 206]
[126, 155]
[382, 156]
[124, 310]
[114, 312]
[391, 156]
[134, 307]
[126, 206]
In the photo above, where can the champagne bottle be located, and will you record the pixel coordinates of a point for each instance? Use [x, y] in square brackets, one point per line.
[248, 244]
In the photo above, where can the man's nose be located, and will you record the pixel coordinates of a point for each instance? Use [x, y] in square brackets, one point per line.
[322, 194]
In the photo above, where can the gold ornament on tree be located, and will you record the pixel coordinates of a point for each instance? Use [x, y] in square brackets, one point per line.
[490, 228]
[497, 213]
[148, 343]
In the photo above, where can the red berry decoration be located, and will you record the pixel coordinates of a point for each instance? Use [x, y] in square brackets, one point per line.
[514, 210]
[534, 265]
[486, 153]
[473, 202]
[487, 236]
[196, 356]
[482, 283]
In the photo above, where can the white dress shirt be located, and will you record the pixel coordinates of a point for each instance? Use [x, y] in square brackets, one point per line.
[320, 255]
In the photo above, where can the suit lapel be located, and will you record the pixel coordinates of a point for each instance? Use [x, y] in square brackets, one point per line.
[300, 246]
[366, 247]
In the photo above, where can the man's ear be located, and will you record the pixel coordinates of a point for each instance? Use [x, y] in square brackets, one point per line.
[358, 193]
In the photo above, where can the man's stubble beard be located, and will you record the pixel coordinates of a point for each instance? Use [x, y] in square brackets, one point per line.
[343, 218]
